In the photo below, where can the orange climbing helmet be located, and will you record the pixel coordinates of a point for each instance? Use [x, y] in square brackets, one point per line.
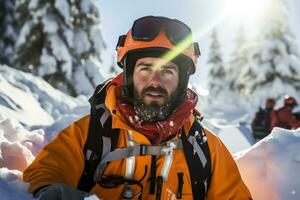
[158, 33]
[153, 36]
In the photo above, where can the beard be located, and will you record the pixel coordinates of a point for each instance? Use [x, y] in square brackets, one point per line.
[154, 112]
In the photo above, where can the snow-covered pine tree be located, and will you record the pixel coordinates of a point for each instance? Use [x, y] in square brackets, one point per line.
[274, 67]
[215, 62]
[221, 99]
[238, 59]
[61, 41]
[8, 31]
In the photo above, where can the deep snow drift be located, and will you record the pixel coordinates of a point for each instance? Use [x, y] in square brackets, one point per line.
[270, 168]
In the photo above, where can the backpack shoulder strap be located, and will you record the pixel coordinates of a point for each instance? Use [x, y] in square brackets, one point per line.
[99, 132]
[198, 159]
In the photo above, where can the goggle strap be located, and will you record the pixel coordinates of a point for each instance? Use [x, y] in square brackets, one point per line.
[121, 41]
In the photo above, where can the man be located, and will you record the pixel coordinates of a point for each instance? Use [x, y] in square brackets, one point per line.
[284, 117]
[261, 124]
[156, 153]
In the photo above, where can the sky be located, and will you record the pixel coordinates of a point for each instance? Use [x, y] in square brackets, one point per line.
[202, 16]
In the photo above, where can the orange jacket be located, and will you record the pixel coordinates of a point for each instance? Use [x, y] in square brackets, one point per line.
[62, 160]
[284, 118]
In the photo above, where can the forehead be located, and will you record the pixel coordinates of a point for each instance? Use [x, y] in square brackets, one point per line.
[152, 61]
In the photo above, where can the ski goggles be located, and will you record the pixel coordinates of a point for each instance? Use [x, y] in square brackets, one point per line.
[147, 28]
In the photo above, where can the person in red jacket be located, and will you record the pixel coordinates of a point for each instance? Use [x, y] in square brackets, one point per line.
[283, 117]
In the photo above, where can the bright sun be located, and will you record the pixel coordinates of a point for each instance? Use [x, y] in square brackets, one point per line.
[246, 10]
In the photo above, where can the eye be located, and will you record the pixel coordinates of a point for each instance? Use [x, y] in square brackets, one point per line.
[169, 70]
[145, 68]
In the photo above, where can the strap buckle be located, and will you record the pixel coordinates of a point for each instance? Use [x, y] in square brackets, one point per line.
[143, 150]
[168, 149]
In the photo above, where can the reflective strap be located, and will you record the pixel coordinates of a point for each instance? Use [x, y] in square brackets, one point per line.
[90, 155]
[205, 185]
[138, 150]
[105, 115]
[130, 161]
[106, 146]
[198, 150]
[168, 161]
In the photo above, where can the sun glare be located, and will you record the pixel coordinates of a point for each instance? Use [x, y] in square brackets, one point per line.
[246, 10]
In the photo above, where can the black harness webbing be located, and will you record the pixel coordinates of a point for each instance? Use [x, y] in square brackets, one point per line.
[93, 149]
[199, 174]
[94, 143]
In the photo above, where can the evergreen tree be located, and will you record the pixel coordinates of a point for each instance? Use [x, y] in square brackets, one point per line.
[61, 41]
[8, 31]
[215, 62]
[274, 66]
[239, 58]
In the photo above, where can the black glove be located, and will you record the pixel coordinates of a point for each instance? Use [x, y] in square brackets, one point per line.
[60, 191]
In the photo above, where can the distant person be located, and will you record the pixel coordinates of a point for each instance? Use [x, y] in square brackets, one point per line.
[261, 124]
[144, 138]
[284, 117]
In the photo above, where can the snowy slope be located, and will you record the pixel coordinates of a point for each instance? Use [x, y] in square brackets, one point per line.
[32, 101]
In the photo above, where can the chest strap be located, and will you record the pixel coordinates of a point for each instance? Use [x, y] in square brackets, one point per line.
[136, 150]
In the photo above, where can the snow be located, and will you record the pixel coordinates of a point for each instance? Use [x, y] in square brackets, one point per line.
[62, 35]
[97, 40]
[63, 7]
[48, 64]
[270, 168]
[87, 75]
[86, 6]
[49, 24]
[81, 42]
[32, 101]
[24, 33]
[61, 53]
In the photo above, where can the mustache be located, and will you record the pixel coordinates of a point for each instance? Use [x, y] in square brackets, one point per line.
[154, 89]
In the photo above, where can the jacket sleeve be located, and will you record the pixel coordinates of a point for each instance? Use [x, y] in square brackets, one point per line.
[62, 160]
[226, 181]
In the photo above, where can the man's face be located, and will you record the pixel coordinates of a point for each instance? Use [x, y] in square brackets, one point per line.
[155, 80]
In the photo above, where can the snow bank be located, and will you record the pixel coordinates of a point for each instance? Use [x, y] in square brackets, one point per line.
[271, 167]
[18, 146]
[32, 101]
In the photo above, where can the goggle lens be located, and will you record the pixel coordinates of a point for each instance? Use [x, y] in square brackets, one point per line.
[178, 32]
[147, 28]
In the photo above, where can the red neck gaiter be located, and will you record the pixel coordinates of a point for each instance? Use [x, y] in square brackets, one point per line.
[159, 131]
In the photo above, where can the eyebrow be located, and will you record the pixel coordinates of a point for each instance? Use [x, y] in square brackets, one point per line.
[167, 65]
[144, 64]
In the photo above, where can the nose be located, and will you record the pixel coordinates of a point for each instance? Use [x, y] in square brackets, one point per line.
[155, 79]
